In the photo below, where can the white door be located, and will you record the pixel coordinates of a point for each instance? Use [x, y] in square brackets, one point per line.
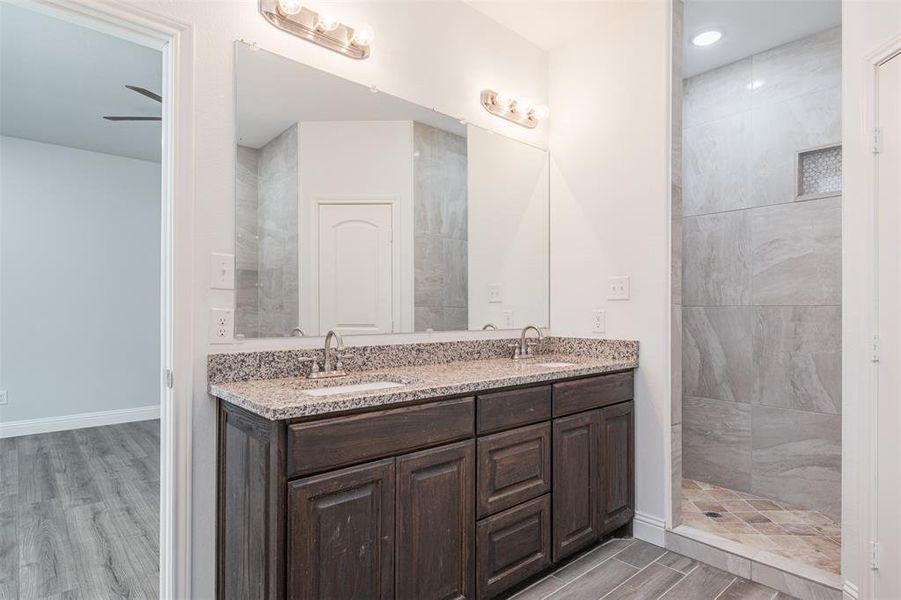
[355, 275]
[888, 577]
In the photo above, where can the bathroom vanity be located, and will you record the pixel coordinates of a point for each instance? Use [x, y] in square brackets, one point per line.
[467, 481]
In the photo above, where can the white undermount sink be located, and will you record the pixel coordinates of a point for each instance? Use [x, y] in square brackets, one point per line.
[369, 386]
[554, 365]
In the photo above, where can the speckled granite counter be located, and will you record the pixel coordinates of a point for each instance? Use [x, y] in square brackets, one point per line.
[285, 398]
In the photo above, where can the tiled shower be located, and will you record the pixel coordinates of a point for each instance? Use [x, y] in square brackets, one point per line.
[761, 286]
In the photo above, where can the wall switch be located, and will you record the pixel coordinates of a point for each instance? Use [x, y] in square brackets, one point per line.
[495, 293]
[3, 397]
[222, 271]
[508, 319]
[598, 321]
[618, 288]
[222, 325]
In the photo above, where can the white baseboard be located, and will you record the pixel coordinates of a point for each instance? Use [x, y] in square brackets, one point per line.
[79, 421]
[649, 528]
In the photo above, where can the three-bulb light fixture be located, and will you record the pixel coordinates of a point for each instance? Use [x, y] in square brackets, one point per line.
[320, 28]
[519, 110]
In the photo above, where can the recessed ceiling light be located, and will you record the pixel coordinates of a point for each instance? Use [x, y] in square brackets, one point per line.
[706, 38]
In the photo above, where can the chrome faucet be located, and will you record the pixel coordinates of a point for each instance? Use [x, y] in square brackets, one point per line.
[523, 350]
[298, 332]
[327, 369]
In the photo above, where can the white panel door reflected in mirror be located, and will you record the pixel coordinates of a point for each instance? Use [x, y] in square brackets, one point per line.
[367, 214]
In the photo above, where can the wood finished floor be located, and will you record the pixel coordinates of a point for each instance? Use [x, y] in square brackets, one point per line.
[629, 569]
[79, 513]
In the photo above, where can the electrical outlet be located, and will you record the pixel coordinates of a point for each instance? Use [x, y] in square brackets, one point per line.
[222, 325]
[618, 288]
[222, 271]
[495, 293]
[508, 319]
[598, 321]
[4, 399]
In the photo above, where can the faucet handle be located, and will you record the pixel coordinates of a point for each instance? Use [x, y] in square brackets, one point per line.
[517, 351]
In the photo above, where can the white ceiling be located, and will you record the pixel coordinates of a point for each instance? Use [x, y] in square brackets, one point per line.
[751, 26]
[275, 92]
[58, 79]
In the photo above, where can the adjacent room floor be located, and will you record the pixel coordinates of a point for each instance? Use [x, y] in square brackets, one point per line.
[806, 536]
[630, 569]
[79, 513]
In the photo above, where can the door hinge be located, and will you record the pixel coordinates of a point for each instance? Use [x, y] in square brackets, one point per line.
[877, 140]
[874, 556]
[170, 379]
[875, 348]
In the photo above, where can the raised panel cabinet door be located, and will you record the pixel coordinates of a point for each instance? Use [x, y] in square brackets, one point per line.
[341, 534]
[436, 523]
[512, 546]
[513, 466]
[575, 488]
[616, 481]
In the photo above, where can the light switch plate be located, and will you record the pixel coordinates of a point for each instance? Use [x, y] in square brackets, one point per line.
[618, 288]
[222, 271]
[495, 293]
[222, 326]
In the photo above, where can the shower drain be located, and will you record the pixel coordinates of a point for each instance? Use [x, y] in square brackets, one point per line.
[712, 514]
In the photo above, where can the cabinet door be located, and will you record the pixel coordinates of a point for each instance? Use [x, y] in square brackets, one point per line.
[341, 534]
[616, 501]
[436, 523]
[575, 482]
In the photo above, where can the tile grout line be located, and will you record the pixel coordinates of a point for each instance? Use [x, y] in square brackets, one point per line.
[630, 578]
[580, 575]
[684, 576]
[723, 591]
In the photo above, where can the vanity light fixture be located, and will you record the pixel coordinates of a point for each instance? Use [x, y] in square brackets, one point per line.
[520, 111]
[319, 28]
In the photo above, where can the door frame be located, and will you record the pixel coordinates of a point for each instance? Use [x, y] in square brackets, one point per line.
[400, 306]
[174, 40]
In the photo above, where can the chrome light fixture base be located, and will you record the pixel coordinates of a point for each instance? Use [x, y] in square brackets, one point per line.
[305, 24]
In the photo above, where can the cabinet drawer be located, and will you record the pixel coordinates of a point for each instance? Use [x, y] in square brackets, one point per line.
[514, 466]
[512, 546]
[505, 410]
[593, 392]
[329, 443]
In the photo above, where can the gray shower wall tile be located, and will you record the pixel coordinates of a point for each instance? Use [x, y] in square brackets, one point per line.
[780, 132]
[676, 364]
[716, 442]
[796, 253]
[456, 256]
[431, 274]
[798, 358]
[797, 457]
[798, 68]
[716, 94]
[716, 173]
[717, 360]
[716, 259]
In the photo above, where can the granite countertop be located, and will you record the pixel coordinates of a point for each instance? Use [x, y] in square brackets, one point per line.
[278, 399]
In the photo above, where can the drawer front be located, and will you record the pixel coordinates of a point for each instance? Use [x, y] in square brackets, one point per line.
[593, 392]
[512, 546]
[505, 410]
[329, 443]
[514, 466]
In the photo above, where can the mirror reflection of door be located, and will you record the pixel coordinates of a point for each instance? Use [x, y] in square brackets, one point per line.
[355, 275]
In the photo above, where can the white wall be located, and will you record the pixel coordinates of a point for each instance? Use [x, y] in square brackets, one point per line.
[508, 238]
[866, 25]
[438, 54]
[609, 143]
[76, 225]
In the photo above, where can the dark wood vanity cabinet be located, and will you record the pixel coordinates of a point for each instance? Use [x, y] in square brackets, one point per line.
[458, 498]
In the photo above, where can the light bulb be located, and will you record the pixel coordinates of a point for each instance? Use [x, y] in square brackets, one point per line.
[327, 23]
[289, 7]
[706, 38]
[524, 107]
[541, 111]
[503, 100]
[363, 35]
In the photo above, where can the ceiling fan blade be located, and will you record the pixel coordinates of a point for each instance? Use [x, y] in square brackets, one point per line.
[145, 92]
[133, 118]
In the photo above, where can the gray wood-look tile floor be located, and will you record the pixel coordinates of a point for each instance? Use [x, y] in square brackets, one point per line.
[79, 513]
[629, 569]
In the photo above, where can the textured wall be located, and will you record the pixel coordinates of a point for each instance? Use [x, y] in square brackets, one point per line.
[440, 213]
[761, 285]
